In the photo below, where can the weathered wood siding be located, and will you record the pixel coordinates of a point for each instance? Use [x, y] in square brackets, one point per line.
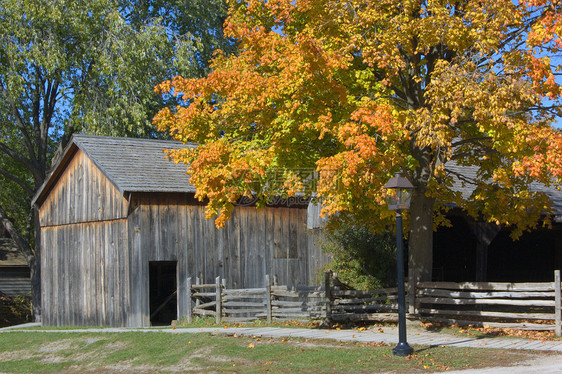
[82, 194]
[85, 259]
[15, 281]
[255, 242]
[85, 274]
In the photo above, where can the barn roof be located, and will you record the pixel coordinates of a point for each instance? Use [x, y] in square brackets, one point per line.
[132, 165]
[463, 175]
[9, 254]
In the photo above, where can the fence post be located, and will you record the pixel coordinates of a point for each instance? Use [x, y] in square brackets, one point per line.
[557, 304]
[197, 282]
[328, 288]
[268, 297]
[189, 304]
[219, 299]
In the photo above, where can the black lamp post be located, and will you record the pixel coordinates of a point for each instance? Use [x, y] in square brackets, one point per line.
[400, 191]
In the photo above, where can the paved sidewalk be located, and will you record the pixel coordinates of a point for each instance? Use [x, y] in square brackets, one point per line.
[389, 334]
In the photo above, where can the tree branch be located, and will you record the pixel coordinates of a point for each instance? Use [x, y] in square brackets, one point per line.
[18, 157]
[474, 153]
[17, 180]
[21, 243]
[461, 177]
[19, 120]
[472, 140]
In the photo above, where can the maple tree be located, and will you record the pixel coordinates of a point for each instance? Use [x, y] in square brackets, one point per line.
[73, 66]
[333, 97]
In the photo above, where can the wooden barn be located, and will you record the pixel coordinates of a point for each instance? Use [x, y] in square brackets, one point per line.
[121, 231]
[14, 270]
[471, 250]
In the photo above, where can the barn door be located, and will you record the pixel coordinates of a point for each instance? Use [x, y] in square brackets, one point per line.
[163, 292]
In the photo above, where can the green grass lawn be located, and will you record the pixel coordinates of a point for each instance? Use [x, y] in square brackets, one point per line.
[24, 352]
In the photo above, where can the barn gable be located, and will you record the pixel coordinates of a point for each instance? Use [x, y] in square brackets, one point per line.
[81, 193]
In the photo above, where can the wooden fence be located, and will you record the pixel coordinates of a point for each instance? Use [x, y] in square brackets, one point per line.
[534, 306]
[275, 302]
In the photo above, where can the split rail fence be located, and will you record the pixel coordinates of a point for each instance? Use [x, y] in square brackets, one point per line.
[534, 306]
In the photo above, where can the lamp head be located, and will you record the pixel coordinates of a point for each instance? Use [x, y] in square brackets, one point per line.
[399, 192]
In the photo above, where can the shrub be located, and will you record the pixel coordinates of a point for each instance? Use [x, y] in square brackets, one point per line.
[361, 259]
[15, 310]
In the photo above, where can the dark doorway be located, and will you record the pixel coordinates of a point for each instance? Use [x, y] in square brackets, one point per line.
[163, 292]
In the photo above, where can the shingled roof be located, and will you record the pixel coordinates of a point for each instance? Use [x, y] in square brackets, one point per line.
[9, 254]
[132, 165]
[469, 173]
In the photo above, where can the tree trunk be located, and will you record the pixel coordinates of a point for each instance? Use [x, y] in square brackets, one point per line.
[420, 241]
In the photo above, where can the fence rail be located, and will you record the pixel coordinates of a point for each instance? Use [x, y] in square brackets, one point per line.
[520, 305]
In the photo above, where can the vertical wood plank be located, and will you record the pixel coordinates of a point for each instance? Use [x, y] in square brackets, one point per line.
[268, 298]
[115, 281]
[152, 233]
[207, 250]
[197, 241]
[182, 255]
[163, 220]
[190, 242]
[230, 250]
[173, 229]
[197, 283]
[328, 289]
[303, 273]
[123, 271]
[557, 303]
[245, 251]
[135, 229]
[220, 240]
[238, 251]
[189, 307]
[259, 233]
[269, 241]
[110, 265]
[44, 279]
